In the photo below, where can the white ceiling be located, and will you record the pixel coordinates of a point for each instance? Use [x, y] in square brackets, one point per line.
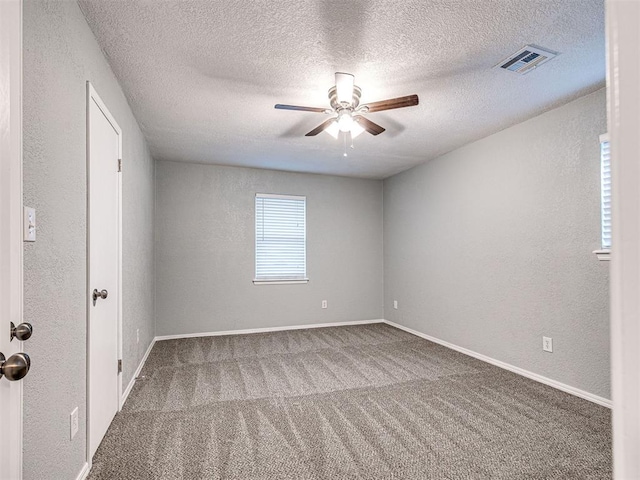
[202, 77]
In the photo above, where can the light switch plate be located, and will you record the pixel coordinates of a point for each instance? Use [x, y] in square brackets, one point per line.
[29, 224]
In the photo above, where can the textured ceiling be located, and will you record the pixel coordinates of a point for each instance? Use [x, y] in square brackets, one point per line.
[202, 76]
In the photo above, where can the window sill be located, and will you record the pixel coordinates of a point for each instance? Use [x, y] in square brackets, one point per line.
[603, 255]
[280, 282]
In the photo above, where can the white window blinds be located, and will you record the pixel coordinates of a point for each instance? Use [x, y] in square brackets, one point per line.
[280, 237]
[605, 168]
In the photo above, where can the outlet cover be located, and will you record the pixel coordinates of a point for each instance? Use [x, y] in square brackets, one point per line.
[138, 335]
[547, 344]
[395, 304]
[324, 304]
[74, 422]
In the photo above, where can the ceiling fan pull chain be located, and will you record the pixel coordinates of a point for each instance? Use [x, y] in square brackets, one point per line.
[345, 144]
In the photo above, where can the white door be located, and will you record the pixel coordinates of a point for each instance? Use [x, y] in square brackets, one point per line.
[104, 146]
[10, 234]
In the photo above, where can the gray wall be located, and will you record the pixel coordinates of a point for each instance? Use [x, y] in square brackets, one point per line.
[60, 55]
[205, 234]
[489, 246]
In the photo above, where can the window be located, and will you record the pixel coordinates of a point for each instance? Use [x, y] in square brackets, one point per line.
[605, 168]
[280, 239]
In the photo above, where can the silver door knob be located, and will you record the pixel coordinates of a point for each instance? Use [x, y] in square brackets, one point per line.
[15, 367]
[99, 294]
[22, 332]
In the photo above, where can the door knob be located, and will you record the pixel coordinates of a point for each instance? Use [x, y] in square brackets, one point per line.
[15, 367]
[22, 332]
[99, 294]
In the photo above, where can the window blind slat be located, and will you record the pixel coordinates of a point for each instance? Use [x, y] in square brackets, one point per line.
[280, 237]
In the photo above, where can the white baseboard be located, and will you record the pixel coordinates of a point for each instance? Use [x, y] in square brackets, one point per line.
[605, 402]
[127, 391]
[267, 329]
[83, 472]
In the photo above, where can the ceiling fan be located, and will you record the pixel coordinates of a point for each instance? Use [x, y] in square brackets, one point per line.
[347, 113]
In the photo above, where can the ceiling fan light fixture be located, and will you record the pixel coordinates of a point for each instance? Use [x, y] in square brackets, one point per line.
[345, 122]
[356, 129]
[333, 130]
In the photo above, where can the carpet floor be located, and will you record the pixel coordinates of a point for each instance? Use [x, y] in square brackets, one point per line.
[353, 402]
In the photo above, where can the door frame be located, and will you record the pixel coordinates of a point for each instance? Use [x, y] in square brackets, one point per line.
[625, 375]
[92, 96]
[623, 114]
[11, 279]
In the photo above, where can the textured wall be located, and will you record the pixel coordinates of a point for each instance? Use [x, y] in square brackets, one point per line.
[60, 55]
[205, 234]
[138, 276]
[489, 246]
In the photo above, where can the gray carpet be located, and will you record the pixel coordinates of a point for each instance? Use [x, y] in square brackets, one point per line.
[357, 402]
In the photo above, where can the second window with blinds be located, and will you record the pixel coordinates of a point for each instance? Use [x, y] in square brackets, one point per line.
[281, 239]
[605, 178]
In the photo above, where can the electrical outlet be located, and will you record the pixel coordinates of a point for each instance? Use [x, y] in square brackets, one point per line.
[138, 335]
[324, 304]
[395, 304]
[74, 422]
[547, 344]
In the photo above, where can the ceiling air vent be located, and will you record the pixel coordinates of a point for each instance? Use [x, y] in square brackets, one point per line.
[526, 59]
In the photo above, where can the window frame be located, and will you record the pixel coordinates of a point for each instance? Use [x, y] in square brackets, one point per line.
[285, 280]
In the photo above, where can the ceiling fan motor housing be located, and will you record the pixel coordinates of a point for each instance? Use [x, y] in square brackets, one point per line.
[333, 99]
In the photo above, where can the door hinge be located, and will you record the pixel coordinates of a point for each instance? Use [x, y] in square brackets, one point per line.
[119, 164]
[120, 366]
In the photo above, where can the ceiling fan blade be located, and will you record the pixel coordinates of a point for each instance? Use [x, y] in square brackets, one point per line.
[302, 109]
[400, 102]
[368, 125]
[344, 87]
[320, 127]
